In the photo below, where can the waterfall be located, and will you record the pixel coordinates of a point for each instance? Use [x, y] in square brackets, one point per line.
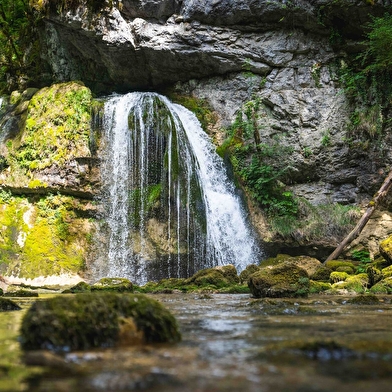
[170, 208]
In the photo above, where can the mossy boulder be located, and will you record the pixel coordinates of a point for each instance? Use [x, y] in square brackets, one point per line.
[386, 272]
[229, 272]
[322, 273]
[386, 249]
[81, 287]
[336, 276]
[208, 277]
[364, 299]
[353, 283]
[309, 264]
[249, 270]
[334, 265]
[104, 319]
[7, 305]
[21, 293]
[283, 280]
[120, 285]
[382, 287]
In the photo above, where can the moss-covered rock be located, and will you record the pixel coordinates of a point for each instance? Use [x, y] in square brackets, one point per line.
[208, 277]
[309, 264]
[322, 273]
[353, 283]
[336, 276]
[386, 249]
[88, 320]
[249, 270]
[7, 304]
[283, 280]
[318, 287]
[344, 268]
[21, 293]
[229, 272]
[382, 287]
[335, 264]
[386, 272]
[364, 299]
[120, 285]
[81, 287]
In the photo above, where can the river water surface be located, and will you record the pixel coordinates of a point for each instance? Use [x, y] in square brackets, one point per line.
[230, 343]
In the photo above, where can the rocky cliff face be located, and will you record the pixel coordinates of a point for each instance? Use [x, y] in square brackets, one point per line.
[285, 55]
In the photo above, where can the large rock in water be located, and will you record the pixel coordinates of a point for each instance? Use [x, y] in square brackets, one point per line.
[84, 321]
[283, 280]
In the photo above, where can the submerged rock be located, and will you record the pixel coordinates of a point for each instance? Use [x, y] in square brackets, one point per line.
[88, 320]
[283, 280]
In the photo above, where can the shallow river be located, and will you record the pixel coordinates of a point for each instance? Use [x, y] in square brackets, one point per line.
[230, 343]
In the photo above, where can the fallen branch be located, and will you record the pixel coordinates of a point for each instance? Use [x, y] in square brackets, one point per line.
[378, 197]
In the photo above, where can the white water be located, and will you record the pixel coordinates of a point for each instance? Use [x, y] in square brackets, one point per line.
[189, 158]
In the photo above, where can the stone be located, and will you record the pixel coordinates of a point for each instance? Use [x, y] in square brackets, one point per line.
[283, 280]
[88, 320]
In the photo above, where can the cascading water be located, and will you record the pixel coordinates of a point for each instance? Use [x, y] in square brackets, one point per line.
[169, 205]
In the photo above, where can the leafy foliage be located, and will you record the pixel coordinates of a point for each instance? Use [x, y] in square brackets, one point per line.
[19, 47]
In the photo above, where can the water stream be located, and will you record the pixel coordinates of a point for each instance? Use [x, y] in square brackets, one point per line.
[169, 205]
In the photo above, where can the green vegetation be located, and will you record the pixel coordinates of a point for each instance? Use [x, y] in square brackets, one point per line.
[19, 45]
[367, 81]
[57, 128]
[42, 236]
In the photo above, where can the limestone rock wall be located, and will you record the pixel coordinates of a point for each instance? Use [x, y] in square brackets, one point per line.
[228, 52]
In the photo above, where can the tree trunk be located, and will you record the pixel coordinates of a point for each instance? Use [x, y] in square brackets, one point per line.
[378, 197]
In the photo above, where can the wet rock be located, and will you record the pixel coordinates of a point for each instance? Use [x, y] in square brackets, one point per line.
[88, 320]
[283, 280]
[7, 304]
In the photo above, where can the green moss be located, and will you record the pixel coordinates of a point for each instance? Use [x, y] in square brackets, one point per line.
[387, 272]
[335, 264]
[283, 280]
[119, 285]
[21, 293]
[322, 274]
[42, 236]
[199, 107]
[81, 287]
[336, 276]
[318, 287]
[382, 287]
[366, 299]
[57, 128]
[88, 320]
[249, 270]
[7, 305]
[208, 277]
